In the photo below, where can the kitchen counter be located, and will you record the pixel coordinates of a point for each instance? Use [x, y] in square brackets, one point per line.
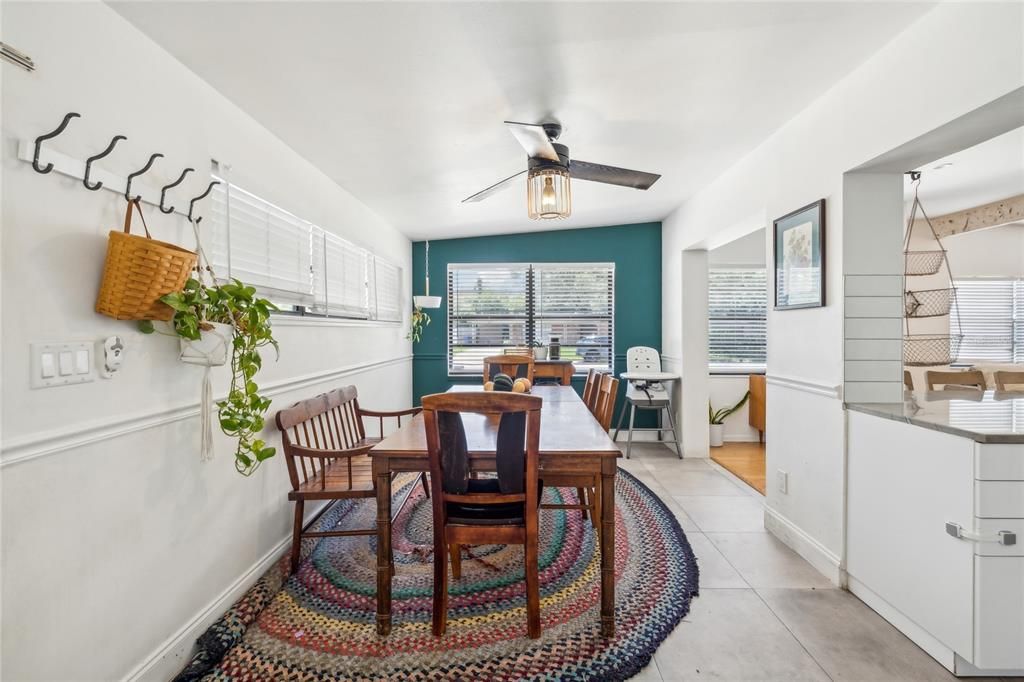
[989, 417]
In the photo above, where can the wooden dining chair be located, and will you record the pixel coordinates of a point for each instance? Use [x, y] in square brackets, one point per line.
[970, 379]
[484, 511]
[908, 380]
[1007, 378]
[590, 389]
[515, 366]
[604, 407]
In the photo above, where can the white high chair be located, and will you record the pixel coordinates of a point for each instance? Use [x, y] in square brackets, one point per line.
[646, 390]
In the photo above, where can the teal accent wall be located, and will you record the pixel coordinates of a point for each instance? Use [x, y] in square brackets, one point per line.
[635, 250]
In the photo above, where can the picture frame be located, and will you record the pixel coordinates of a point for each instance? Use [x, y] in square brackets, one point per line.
[799, 255]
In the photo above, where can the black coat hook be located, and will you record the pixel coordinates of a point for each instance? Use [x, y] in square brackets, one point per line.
[89, 162]
[128, 187]
[39, 143]
[177, 182]
[192, 204]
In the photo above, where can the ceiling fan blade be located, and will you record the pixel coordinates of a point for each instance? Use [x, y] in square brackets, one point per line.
[493, 189]
[534, 140]
[596, 172]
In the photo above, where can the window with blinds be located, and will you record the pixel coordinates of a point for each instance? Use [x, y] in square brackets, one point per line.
[299, 266]
[494, 308]
[989, 314]
[737, 327]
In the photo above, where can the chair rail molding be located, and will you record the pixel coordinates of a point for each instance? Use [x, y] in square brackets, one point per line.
[33, 445]
[834, 391]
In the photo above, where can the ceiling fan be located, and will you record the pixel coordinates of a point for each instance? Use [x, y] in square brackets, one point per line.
[549, 169]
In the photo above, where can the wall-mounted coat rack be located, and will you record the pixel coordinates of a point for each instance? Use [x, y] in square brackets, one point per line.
[45, 159]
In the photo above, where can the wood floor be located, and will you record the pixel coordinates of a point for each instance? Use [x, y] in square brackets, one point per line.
[745, 461]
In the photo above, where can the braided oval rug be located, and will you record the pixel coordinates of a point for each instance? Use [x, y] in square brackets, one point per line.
[318, 624]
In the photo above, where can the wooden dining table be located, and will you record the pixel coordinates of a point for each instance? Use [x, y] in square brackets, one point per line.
[574, 450]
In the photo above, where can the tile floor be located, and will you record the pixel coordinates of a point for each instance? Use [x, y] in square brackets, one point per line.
[763, 612]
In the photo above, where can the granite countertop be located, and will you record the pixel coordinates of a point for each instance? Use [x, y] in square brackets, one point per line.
[989, 417]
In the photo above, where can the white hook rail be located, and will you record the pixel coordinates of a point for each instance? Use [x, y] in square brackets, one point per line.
[75, 168]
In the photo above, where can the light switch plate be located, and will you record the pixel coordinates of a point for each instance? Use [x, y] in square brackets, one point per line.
[782, 478]
[62, 364]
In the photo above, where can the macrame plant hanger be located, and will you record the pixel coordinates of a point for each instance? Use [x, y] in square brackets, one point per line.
[214, 352]
[926, 350]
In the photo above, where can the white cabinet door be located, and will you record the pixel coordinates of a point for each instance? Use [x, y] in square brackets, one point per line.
[905, 483]
[999, 613]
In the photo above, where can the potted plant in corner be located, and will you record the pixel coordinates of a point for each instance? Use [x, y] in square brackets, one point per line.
[716, 419]
[206, 318]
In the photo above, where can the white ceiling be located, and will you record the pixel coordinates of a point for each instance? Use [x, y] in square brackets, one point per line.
[986, 172]
[402, 104]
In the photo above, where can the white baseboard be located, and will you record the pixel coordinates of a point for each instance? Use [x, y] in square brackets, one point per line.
[741, 438]
[915, 633]
[816, 554]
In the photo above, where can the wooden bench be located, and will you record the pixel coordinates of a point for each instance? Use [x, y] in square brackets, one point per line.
[326, 449]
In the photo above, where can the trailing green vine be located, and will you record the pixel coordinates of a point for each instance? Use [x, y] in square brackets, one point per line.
[241, 414]
[420, 320]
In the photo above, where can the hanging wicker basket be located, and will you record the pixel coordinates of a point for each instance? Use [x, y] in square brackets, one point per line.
[138, 271]
[928, 302]
[923, 262]
[929, 350]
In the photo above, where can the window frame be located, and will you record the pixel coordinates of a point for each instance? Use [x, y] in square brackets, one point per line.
[738, 368]
[530, 317]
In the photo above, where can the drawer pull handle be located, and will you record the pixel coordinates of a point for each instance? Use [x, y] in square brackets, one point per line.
[1003, 537]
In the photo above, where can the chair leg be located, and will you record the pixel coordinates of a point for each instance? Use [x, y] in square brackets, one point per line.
[456, 554]
[532, 589]
[629, 440]
[675, 431]
[426, 484]
[440, 606]
[618, 427]
[297, 533]
[581, 495]
[595, 505]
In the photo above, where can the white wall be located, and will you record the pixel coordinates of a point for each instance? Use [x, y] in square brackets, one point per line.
[906, 89]
[995, 252]
[116, 538]
[726, 390]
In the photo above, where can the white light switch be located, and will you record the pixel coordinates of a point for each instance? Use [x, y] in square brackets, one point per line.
[47, 368]
[82, 361]
[64, 363]
[60, 364]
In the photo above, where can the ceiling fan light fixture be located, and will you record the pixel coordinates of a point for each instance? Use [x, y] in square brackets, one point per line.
[548, 193]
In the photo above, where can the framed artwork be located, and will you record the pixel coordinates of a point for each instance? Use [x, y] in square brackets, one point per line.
[800, 258]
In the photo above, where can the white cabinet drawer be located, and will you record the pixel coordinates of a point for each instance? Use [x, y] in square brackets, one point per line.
[999, 613]
[999, 499]
[999, 462]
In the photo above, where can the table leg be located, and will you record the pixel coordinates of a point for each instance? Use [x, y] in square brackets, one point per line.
[383, 478]
[608, 469]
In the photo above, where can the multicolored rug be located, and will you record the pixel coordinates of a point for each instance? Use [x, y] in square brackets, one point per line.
[318, 625]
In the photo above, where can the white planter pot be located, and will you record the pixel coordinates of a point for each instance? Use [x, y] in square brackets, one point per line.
[427, 301]
[717, 436]
[212, 349]
[540, 354]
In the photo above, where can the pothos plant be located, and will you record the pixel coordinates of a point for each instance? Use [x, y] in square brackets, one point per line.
[241, 414]
[420, 320]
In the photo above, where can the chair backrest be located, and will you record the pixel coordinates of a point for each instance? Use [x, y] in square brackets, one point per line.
[955, 380]
[908, 380]
[605, 406]
[590, 389]
[1006, 380]
[329, 421]
[517, 444]
[515, 366]
[643, 358]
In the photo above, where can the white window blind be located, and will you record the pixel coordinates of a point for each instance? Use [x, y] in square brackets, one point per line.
[387, 290]
[991, 320]
[737, 328]
[260, 244]
[575, 302]
[295, 263]
[495, 307]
